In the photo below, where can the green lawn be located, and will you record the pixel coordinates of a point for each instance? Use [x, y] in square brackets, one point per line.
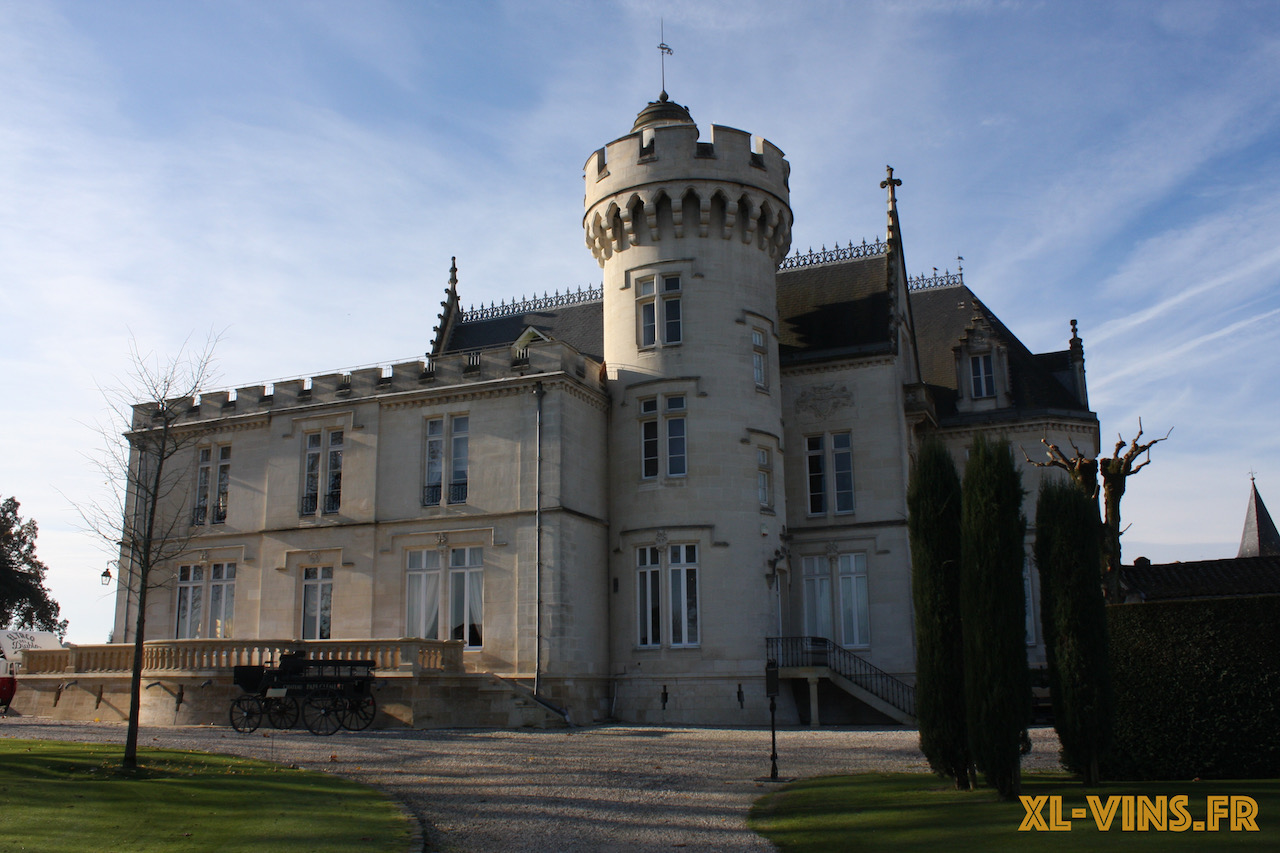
[896, 812]
[57, 797]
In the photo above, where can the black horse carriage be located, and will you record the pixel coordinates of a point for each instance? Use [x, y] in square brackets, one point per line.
[326, 694]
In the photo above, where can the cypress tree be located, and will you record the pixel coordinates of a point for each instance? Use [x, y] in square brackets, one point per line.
[1068, 550]
[993, 612]
[933, 522]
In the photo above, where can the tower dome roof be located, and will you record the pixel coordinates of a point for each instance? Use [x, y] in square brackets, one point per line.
[661, 113]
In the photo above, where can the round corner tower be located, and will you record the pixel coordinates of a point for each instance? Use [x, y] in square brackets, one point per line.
[690, 235]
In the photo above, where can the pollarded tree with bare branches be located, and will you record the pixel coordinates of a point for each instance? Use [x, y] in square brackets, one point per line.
[146, 514]
[1128, 458]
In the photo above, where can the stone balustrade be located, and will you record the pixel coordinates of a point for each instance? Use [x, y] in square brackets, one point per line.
[410, 656]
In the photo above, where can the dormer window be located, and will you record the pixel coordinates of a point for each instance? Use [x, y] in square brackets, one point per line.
[983, 375]
[982, 368]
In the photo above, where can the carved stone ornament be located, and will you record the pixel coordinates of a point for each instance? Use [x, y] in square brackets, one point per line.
[314, 556]
[442, 541]
[661, 538]
[833, 549]
[825, 400]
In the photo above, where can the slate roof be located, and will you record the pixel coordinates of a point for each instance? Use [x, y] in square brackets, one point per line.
[1203, 578]
[581, 326]
[838, 310]
[1038, 382]
[1260, 538]
[834, 310]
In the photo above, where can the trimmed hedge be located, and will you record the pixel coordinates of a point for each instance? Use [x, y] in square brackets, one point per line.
[1197, 689]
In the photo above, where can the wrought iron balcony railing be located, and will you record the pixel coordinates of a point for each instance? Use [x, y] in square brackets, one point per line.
[819, 651]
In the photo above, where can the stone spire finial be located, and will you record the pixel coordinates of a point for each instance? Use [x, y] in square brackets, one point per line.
[891, 182]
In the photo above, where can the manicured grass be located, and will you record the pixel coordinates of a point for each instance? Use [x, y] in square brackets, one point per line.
[71, 797]
[896, 812]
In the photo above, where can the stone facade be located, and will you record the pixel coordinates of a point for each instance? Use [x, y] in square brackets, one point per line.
[615, 498]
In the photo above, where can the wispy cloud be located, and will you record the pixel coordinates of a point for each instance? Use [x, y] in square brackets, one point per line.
[299, 174]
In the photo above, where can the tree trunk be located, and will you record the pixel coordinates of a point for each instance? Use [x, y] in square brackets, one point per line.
[135, 682]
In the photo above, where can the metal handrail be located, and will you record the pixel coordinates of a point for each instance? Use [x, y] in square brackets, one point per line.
[820, 651]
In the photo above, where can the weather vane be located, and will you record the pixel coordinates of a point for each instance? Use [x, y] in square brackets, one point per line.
[664, 50]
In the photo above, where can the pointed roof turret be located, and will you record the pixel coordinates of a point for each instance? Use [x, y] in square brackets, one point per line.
[1260, 538]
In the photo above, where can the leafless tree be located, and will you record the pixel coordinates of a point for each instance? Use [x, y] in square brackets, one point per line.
[1128, 458]
[146, 514]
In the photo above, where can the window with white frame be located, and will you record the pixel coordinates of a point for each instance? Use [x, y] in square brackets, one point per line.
[222, 600]
[816, 470]
[322, 472]
[676, 438]
[190, 602]
[659, 313]
[422, 594]
[317, 602]
[855, 621]
[764, 476]
[842, 468]
[204, 475]
[223, 484]
[211, 490]
[466, 596]
[663, 438]
[759, 360]
[197, 585]
[816, 574]
[829, 470]
[683, 621]
[982, 372]
[648, 597]
[680, 564]
[683, 569]
[847, 575]
[649, 438]
[447, 452]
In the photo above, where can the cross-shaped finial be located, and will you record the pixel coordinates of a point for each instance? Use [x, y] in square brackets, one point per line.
[891, 182]
[664, 50]
[1251, 476]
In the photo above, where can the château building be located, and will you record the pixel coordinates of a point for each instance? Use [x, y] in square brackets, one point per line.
[626, 499]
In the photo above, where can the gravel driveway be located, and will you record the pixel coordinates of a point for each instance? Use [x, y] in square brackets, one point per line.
[604, 788]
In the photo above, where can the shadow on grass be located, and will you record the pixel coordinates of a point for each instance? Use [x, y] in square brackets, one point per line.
[60, 794]
[893, 812]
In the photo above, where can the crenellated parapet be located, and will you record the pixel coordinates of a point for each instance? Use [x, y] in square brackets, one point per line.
[402, 379]
[661, 183]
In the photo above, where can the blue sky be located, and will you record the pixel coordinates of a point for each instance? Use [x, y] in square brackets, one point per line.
[298, 175]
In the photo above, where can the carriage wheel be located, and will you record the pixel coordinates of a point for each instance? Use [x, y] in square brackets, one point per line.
[246, 713]
[358, 713]
[282, 713]
[322, 712]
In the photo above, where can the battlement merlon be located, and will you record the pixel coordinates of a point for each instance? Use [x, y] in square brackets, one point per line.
[673, 153]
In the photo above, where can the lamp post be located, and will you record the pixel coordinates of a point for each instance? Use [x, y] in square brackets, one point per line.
[771, 689]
